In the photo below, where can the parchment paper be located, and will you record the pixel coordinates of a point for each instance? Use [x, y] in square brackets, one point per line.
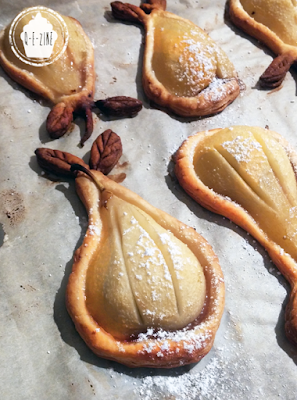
[43, 222]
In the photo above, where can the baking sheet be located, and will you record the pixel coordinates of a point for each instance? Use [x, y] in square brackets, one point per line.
[42, 222]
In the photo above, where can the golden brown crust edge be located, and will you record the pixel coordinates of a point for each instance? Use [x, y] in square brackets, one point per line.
[210, 101]
[242, 20]
[187, 177]
[171, 351]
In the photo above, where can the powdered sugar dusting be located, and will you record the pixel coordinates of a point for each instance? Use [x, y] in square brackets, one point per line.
[217, 89]
[197, 63]
[190, 338]
[213, 383]
[242, 148]
[187, 386]
[175, 253]
[190, 61]
[94, 230]
[150, 254]
[222, 376]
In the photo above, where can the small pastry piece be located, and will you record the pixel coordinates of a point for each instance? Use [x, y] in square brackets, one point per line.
[57, 162]
[119, 106]
[68, 82]
[106, 151]
[248, 174]
[273, 22]
[183, 69]
[145, 289]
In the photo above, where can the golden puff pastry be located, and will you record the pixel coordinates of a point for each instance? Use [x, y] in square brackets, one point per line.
[274, 23]
[248, 174]
[68, 82]
[145, 289]
[184, 70]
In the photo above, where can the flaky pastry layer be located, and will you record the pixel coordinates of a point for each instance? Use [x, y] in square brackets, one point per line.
[224, 205]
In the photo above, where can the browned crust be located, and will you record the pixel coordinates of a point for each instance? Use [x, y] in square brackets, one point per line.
[30, 82]
[207, 102]
[135, 354]
[132, 13]
[242, 20]
[128, 12]
[277, 70]
[189, 180]
[153, 5]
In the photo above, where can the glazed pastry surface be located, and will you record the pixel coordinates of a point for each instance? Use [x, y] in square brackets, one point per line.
[252, 168]
[145, 289]
[143, 277]
[184, 70]
[185, 59]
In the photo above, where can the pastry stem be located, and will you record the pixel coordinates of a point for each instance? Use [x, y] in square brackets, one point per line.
[78, 167]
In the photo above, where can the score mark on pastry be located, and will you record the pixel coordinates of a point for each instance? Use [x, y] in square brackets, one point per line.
[184, 70]
[248, 174]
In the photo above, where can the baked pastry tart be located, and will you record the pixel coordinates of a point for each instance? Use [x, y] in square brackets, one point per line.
[66, 77]
[184, 70]
[145, 289]
[273, 22]
[248, 174]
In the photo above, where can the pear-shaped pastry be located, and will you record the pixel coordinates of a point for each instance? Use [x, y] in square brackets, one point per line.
[65, 76]
[145, 289]
[274, 23]
[248, 174]
[183, 69]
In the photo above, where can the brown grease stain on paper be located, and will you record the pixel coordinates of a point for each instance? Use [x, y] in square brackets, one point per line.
[12, 206]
